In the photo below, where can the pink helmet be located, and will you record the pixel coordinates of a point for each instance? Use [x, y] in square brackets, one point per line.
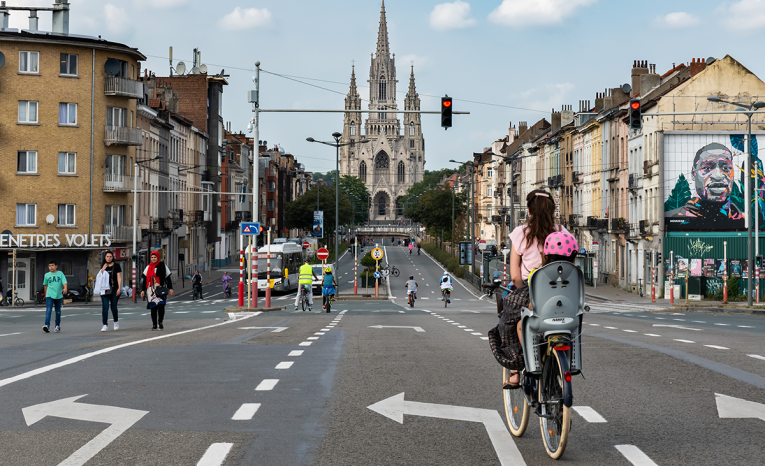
[561, 243]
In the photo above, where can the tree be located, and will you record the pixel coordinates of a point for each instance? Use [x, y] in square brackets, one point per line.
[434, 210]
[354, 187]
[299, 213]
[680, 195]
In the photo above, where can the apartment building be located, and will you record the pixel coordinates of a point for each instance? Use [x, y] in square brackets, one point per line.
[68, 122]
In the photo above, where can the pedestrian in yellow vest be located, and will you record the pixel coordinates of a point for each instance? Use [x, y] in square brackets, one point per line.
[305, 280]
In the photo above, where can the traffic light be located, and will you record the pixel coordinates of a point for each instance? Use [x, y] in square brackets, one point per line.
[636, 120]
[446, 112]
[658, 258]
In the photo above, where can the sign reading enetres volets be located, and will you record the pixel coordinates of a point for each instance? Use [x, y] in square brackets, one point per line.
[55, 241]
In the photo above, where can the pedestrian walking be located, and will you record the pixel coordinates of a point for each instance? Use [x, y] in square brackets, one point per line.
[54, 284]
[109, 287]
[196, 283]
[157, 286]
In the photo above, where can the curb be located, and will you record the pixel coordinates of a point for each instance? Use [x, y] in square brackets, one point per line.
[254, 309]
[716, 310]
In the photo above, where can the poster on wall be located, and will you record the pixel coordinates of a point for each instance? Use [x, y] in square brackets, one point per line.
[318, 223]
[682, 267]
[735, 268]
[722, 267]
[744, 269]
[709, 268]
[704, 181]
[695, 267]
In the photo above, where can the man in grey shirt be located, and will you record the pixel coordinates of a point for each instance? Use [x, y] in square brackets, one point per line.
[411, 286]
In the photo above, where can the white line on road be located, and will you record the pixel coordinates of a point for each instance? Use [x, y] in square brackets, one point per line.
[611, 328]
[630, 331]
[9, 334]
[83, 357]
[756, 356]
[205, 312]
[722, 324]
[296, 353]
[684, 341]
[468, 329]
[313, 338]
[589, 414]
[215, 454]
[699, 321]
[284, 365]
[325, 330]
[305, 343]
[267, 384]
[745, 326]
[716, 347]
[181, 312]
[635, 456]
[319, 333]
[460, 326]
[477, 333]
[245, 412]
[651, 335]
[484, 338]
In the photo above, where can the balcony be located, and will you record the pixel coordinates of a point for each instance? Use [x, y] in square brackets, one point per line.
[578, 177]
[243, 215]
[573, 220]
[117, 183]
[643, 226]
[602, 224]
[122, 136]
[122, 87]
[633, 181]
[161, 224]
[618, 224]
[195, 216]
[592, 222]
[119, 233]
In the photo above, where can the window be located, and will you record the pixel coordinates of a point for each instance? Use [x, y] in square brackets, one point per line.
[29, 62]
[489, 172]
[401, 172]
[67, 114]
[27, 162]
[26, 214]
[27, 111]
[271, 205]
[115, 169]
[363, 172]
[411, 143]
[68, 64]
[115, 215]
[67, 162]
[271, 186]
[115, 116]
[353, 128]
[66, 214]
[383, 95]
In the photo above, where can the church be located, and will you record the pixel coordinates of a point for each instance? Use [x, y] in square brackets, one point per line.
[394, 158]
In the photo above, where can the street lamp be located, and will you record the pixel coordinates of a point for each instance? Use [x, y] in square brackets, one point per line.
[747, 110]
[337, 145]
[135, 216]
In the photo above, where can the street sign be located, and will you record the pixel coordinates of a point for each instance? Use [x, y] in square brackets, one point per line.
[377, 254]
[252, 228]
[505, 251]
[322, 253]
[377, 275]
[481, 246]
[582, 251]
[595, 246]
[306, 245]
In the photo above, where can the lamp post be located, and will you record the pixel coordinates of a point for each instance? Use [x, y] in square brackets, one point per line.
[135, 216]
[337, 145]
[747, 110]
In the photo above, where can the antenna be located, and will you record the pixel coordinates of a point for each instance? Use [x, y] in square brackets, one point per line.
[171, 61]
[203, 69]
[112, 67]
[181, 68]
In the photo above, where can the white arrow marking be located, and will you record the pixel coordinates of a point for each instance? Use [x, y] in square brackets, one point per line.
[418, 329]
[275, 329]
[121, 419]
[395, 407]
[676, 326]
[729, 407]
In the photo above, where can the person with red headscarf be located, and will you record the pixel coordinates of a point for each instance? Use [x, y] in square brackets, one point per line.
[156, 285]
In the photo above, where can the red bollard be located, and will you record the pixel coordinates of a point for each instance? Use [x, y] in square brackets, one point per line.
[241, 278]
[725, 289]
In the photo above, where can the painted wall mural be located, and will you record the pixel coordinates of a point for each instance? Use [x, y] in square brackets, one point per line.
[704, 182]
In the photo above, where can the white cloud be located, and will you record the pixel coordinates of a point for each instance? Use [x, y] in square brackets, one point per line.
[245, 18]
[552, 96]
[535, 12]
[455, 15]
[116, 18]
[160, 4]
[745, 14]
[677, 20]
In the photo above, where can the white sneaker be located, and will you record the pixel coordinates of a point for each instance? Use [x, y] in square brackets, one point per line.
[58, 329]
[104, 328]
[116, 326]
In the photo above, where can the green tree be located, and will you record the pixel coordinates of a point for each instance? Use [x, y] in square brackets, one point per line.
[680, 195]
[355, 188]
[434, 210]
[299, 213]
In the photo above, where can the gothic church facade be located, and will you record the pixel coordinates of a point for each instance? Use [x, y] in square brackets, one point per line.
[394, 158]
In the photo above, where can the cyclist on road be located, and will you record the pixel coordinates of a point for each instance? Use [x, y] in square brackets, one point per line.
[418, 248]
[410, 248]
[196, 282]
[329, 285]
[446, 284]
[411, 286]
[305, 280]
[226, 281]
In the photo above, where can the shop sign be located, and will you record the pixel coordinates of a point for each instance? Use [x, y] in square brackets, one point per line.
[121, 253]
[54, 241]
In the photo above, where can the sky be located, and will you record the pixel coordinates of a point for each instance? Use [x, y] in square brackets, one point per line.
[504, 61]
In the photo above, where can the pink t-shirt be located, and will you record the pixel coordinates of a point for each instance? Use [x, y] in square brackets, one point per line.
[531, 254]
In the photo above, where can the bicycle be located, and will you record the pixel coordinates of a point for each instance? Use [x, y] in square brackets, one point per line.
[411, 297]
[15, 301]
[447, 295]
[328, 300]
[197, 292]
[227, 293]
[304, 296]
[552, 352]
[394, 271]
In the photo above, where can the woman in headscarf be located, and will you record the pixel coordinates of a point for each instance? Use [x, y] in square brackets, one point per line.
[157, 285]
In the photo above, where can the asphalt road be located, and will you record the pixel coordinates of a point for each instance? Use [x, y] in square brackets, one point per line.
[290, 387]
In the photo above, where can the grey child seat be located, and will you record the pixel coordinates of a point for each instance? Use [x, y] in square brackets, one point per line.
[556, 293]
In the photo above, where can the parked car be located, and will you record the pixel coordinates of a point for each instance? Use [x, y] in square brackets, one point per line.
[318, 269]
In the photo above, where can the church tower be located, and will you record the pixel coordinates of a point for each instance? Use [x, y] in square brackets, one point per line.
[394, 158]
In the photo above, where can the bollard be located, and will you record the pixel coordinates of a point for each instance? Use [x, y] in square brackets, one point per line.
[268, 270]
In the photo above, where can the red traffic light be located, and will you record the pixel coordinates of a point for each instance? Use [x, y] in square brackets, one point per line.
[447, 103]
[635, 105]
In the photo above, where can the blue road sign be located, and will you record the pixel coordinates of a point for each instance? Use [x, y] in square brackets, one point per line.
[582, 251]
[377, 274]
[252, 228]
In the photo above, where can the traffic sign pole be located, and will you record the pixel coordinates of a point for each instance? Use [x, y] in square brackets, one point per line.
[268, 270]
[249, 270]
[355, 267]
[241, 270]
[377, 269]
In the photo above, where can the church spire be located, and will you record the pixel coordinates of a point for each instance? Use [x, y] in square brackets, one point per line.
[353, 90]
[353, 100]
[412, 90]
[383, 49]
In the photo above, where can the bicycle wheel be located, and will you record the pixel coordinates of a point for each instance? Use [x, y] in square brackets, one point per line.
[446, 298]
[329, 303]
[555, 420]
[19, 302]
[395, 272]
[303, 301]
[516, 407]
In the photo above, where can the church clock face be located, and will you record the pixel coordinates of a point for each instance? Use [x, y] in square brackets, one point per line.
[388, 133]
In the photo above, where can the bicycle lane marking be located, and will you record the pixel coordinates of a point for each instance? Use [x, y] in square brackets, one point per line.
[83, 357]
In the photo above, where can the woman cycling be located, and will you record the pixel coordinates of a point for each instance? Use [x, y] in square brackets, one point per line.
[226, 281]
[328, 289]
[526, 255]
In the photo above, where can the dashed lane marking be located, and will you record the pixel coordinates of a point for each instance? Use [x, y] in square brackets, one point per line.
[683, 341]
[589, 414]
[716, 347]
[9, 334]
[245, 412]
[635, 456]
[312, 338]
[630, 331]
[651, 335]
[756, 356]
[305, 343]
[267, 384]
[296, 353]
[215, 455]
[284, 365]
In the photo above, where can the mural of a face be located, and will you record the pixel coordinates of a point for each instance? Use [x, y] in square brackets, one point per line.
[713, 172]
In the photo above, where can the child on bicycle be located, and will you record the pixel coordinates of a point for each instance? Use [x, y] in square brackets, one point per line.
[329, 284]
[446, 285]
[411, 287]
[226, 281]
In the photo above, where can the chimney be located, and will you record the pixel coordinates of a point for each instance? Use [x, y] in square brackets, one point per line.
[33, 20]
[522, 127]
[650, 80]
[6, 15]
[61, 17]
[598, 102]
[566, 114]
[639, 68]
[618, 96]
[555, 120]
[697, 66]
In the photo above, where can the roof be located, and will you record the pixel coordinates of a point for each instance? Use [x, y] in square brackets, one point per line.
[70, 40]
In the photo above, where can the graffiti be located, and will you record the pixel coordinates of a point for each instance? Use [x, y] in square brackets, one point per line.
[698, 248]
